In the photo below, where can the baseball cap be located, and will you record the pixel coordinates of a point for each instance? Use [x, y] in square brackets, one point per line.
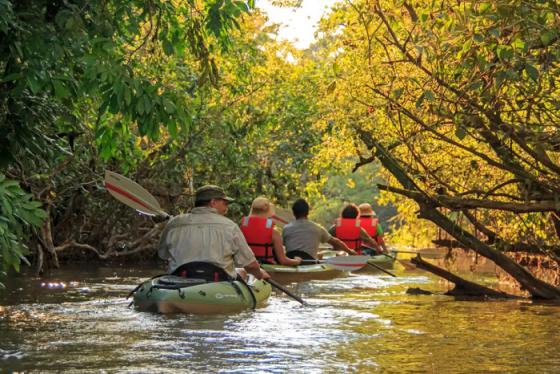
[209, 192]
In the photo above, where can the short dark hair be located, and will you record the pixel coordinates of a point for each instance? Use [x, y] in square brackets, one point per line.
[300, 208]
[350, 211]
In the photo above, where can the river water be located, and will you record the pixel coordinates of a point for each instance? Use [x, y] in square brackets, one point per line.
[77, 320]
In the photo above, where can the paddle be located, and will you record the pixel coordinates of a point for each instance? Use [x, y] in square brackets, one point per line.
[278, 286]
[343, 263]
[136, 197]
[432, 255]
[426, 254]
[381, 269]
[132, 194]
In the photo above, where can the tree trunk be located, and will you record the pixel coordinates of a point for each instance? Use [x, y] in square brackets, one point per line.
[534, 286]
[462, 287]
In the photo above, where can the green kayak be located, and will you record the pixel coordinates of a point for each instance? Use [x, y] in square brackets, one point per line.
[287, 274]
[172, 294]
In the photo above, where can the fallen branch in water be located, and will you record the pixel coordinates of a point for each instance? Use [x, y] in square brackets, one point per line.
[462, 287]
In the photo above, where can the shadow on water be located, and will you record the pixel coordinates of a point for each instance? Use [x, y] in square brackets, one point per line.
[77, 320]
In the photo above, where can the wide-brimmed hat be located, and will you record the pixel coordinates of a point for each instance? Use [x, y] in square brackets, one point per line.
[366, 210]
[209, 192]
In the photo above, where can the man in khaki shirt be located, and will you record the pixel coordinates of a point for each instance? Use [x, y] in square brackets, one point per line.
[205, 235]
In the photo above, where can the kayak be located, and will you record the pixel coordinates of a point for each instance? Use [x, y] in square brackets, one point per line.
[287, 274]
[172, 294]
[384, 261]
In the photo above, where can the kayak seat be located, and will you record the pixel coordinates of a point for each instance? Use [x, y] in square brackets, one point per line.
[303, 255]
[202, 270]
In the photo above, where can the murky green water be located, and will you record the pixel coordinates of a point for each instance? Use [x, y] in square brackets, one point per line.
[360, 324]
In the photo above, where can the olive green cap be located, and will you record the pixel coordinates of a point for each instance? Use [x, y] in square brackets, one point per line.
[209, 192]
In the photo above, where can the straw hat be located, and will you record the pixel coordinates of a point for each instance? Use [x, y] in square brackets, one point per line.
[261, 205]
[366, 210]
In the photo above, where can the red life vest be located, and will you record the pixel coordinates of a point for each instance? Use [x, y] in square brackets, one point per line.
[370, 225]
[348, 230]
[258, 233]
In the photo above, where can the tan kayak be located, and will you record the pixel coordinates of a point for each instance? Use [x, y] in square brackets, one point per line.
[288, 274]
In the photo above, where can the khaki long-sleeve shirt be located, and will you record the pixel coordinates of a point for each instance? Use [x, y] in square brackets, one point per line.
[204, 235]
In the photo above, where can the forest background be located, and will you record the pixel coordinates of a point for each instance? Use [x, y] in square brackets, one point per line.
[450, 109]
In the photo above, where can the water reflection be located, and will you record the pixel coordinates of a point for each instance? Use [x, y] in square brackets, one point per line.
[357, 324]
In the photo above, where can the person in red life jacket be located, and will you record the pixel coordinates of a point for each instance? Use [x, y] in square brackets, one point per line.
[347, 228]
[264, 240]
[370, 223]
[302, 237]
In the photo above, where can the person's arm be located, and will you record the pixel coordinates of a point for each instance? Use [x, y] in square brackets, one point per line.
[380, 239]
[369, 241]
[255, 269]
[279, 251]
[381, 242]
[339, 245]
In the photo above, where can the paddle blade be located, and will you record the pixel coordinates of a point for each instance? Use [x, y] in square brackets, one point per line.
[132, 194]
[347, 263]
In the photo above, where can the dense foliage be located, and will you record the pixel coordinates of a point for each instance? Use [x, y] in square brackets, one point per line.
[464, 96]
[175, 94]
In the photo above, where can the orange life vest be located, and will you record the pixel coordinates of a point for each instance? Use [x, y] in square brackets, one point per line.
[348, 230]
[258, 233]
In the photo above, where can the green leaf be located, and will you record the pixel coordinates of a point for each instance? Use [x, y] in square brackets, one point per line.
[172, 128]
[460, 132]
[532, 72]
[519, 44]
[547, 38]
[127, 95]
[60, 90]
[147, 104]
[11, 77]
[504, 52]
[168, 47]
[483, 7]
[140, 105]
[169, 106]
[33, 84]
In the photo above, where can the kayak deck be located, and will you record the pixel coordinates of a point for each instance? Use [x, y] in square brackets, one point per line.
[156, 295]
[288, 274]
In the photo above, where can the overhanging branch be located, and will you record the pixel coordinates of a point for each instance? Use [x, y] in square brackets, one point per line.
[456, 203]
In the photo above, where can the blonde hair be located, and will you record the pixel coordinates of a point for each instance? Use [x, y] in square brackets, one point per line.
[262, 206]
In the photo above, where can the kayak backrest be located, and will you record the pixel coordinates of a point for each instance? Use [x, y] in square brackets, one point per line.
[179, 282]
